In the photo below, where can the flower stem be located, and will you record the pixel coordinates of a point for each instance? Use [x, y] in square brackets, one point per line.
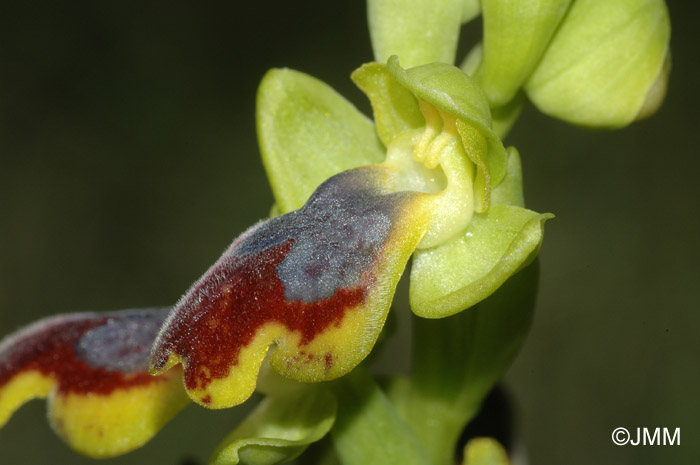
[368, 429]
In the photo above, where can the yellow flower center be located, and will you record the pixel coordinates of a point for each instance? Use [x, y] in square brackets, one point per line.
[433, 160]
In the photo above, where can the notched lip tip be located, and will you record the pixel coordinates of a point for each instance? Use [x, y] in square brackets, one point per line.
[160, 363]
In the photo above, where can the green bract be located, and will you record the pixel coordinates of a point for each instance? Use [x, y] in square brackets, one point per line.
[602, 64]
[436, 126]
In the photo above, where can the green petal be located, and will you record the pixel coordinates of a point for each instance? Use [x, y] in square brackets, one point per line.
[307, 133]
[602, 62]
[419, 31]
[456, 275]
[279, 429]
[395, 108]
[449, 89]
[515, 37]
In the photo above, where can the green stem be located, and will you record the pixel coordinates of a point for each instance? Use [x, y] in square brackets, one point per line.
[368, 430]
[457, 360]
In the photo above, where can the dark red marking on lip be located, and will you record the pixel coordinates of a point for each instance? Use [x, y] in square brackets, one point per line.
[50, 351]
[225, 309]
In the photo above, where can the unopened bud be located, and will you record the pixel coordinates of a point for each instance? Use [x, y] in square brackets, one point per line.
[601, 67]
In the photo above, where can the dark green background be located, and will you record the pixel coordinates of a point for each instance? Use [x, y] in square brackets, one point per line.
[128, 162]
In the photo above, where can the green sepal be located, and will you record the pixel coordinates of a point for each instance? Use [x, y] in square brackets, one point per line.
[395, 108]
[280, 428]
[516, 35]
[307, 133]
[453, 276]
[603, 62]
[450, 90]
[485, 451]
[419, 31]
[463, 271]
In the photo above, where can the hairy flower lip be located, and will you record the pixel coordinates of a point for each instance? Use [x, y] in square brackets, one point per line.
[85, 337]
[316, 283]
[92, 369]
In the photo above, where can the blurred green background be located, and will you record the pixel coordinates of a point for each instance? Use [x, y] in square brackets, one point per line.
[128, 162]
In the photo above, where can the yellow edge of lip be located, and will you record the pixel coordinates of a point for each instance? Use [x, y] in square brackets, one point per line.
[22, 388]
[347, 344]
[105, 425]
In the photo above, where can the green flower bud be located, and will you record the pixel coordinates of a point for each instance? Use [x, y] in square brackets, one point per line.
[419, 31]
[605, 65]
[516, 34]
[485, 451]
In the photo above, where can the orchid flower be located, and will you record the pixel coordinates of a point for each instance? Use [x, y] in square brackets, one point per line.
[306, 292]
[317, 282]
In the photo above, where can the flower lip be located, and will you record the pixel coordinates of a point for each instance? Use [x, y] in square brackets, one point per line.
[229, 300]
[90, 367]
[85, 352]
[121, 344]
[317, 282]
